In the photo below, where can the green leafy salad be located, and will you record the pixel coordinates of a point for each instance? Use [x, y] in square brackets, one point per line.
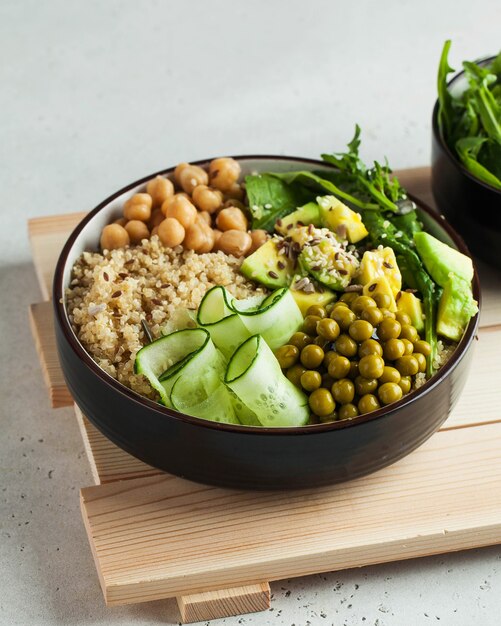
[471, 121]
[361, 305]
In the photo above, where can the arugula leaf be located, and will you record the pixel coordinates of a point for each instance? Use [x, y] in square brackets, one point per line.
[271, 198]
[468, 149]
[445, 107]
[375, 182]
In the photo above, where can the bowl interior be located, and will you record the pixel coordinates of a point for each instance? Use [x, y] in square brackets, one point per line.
[87, 234]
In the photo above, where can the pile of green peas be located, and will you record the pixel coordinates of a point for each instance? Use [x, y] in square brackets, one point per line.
[353, 357]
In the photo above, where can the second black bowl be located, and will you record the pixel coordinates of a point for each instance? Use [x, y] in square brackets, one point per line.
[472, 206]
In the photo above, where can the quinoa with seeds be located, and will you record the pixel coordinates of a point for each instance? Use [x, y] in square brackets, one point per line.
[110, 293]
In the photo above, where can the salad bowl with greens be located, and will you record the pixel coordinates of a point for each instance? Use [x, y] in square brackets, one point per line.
[333, 370]
[466, 151]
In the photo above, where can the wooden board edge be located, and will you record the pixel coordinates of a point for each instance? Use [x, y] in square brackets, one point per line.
[87, 445]
[418, 546]
[224, 603]
[88, 532]
[59, 395]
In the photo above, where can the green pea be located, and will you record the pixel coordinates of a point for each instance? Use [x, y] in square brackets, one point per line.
[287, 356]
[312, 356]
[343, 391]
[321, 402]
[368, 403]
[311, 380]
[347, 411]
[371, 366]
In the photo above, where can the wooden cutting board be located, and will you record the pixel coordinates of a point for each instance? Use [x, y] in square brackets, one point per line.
[154, 535]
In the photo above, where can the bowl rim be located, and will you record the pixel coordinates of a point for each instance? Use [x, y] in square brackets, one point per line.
[62, 319]
[441, 139]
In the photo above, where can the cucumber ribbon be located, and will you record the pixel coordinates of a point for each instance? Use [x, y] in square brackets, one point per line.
[189, 368]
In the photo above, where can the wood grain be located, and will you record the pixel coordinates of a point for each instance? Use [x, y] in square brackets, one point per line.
[224, 603]
[47, 237]
[163, 536]
[42, 329]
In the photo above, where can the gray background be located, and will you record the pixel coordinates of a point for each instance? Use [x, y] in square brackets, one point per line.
[96, 94]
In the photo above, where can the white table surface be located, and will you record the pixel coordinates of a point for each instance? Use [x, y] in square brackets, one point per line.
[96, 94]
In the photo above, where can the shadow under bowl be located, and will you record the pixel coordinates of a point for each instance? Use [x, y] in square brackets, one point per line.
[248, 457]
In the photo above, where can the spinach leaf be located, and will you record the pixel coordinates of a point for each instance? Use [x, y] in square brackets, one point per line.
[445, 107]
[271, 198]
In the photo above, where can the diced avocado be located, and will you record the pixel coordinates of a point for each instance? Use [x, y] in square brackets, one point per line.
[304, 299]
[330, 264]
[411, 305]
[456, 308]
[339, 218]
[441, 260]
[307, 214]
[378, 263]
[381, 285]
[268, 267]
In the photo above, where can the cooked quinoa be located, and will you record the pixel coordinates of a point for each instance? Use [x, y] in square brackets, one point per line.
[110, 293]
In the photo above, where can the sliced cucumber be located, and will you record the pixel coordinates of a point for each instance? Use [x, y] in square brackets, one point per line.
[216, 405]
[217, 316]
[255, 376]
[276, 320]
[189, 352]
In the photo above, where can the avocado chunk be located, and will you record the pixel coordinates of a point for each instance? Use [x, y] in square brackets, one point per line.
[411, 305]
[304, 215]
[455, 308]
[340, 219]
[441, 260]
[329, 263]
[268, 266]
[307, 292]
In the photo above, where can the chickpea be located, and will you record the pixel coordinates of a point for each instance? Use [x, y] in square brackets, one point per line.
[235, 192]
[171, 232]
[209, 236]
[154, 231]
[160, 188]
[114, 236]
[178, 170]
[207, 199]
[192, 176]
[231, 219]
[195, 238]
[233, 202]
[217, 234]
[137, 231]
[156, 218]
[224, 173]
[122, 221]
[259, 237]
[138, 207]
[234, 242]
[181, 209]
[205, 217]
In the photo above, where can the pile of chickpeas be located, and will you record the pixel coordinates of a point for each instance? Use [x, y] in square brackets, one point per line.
[202, 211]
[353, 357]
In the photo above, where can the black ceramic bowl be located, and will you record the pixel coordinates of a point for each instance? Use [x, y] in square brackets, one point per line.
[472, 206]
[239, 456]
